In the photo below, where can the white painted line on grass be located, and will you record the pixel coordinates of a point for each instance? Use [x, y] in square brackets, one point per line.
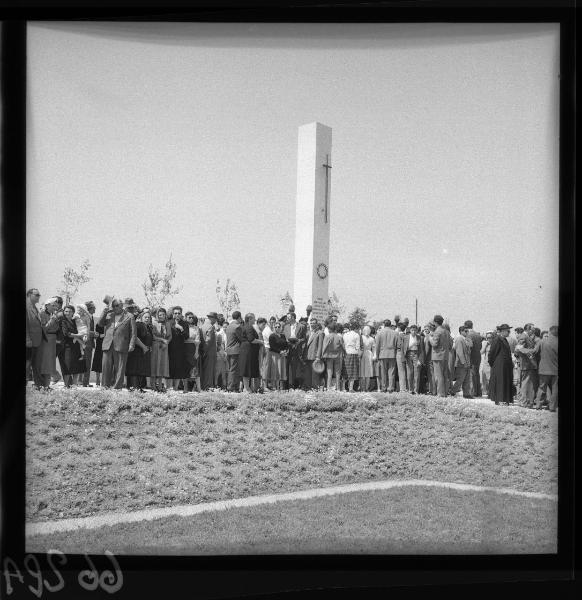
[35, 528]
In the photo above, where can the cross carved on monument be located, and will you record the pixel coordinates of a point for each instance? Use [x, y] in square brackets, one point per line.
[327, 167]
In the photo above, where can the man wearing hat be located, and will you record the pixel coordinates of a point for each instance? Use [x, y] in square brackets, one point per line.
[501, 381]
[209, 353]
[120, 334]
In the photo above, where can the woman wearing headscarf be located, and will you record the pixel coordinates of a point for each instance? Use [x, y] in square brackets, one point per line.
[366, 361]
[73, 362]
[162, 334]
[278, 350]
[139, 362]
[248, 358]
[50, 323]
[193, 352]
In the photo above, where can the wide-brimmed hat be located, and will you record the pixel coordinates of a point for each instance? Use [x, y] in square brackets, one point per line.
[212, 315]
[503, 326]
[318, 366]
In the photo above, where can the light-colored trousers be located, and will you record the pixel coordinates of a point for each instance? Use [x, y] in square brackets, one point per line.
[387, 373]
[113, 368]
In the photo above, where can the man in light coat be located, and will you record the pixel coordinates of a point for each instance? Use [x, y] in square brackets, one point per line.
[34, 335]
[119, 340]
[312, 349]
[462, 347]
[386, 355]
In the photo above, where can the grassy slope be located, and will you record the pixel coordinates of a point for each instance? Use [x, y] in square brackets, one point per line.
[99, 451]
[399, 521]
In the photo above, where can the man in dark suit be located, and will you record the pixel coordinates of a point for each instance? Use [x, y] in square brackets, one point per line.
[477, 341]
[295, 333]
[440, 340]
[412, 348]
[385, 353]
[90, 343]
[34, 335]
[431, 383]
[312, 349]
[233, 341]
[119, 340]
[401, 358]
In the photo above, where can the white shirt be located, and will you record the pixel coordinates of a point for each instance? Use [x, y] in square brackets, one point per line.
[352, 342]
[266, 333]
[293, 329]
[413, 342]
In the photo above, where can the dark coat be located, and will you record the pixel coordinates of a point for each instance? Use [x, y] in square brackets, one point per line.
[248, 358]
[501, 380]
[176, 352]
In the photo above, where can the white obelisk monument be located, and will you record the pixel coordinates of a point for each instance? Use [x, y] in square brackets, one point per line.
[312, 219]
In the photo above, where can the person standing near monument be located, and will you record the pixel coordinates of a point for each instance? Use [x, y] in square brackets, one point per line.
[386, 356]
[332, 352]
[176, 351]
[353, 354]
[367, 359]
[248, 365]
[462, 346]
[440, 341]
[160, 364]
[312, 350]
[209, 350]
[220, 372]
[485, 368]
[548, 370]
[401, 357]
[233, 342]
[48, 348]
[413, 352]
[476, 340]
[431, 381]
[120, 333]
[501, 381]
[34, 335]
[295, 334]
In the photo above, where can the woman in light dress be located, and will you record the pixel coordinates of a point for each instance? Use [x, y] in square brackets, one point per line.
[162, 334]
[193, 354]
[366, 361]
[485, 368]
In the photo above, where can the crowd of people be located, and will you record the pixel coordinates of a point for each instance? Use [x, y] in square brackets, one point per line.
[159, 349]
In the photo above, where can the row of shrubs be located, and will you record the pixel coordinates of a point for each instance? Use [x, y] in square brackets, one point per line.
[113, 402]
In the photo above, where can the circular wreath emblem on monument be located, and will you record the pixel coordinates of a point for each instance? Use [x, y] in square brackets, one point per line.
[322, 270]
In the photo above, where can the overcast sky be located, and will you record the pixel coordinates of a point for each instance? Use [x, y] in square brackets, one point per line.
[150, 139]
